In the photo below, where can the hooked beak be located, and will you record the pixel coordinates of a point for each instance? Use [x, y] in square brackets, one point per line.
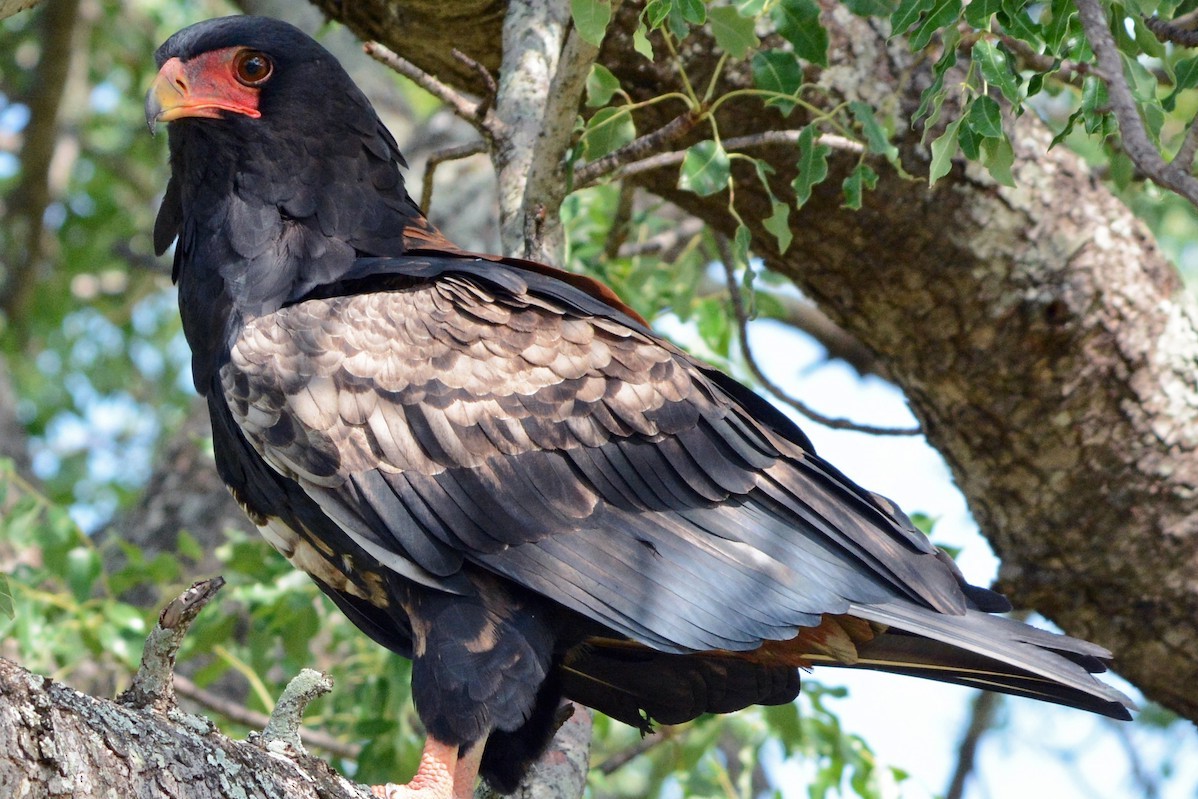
[196, 89]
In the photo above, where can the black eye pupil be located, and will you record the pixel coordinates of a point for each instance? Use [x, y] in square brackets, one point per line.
[253, 68]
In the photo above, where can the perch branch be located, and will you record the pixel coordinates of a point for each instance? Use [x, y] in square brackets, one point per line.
[153, 685]
[283, 729]
[239, 714]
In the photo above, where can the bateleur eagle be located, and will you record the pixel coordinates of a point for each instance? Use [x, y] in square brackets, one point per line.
[496, 469]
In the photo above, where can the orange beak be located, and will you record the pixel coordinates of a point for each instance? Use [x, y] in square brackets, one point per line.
[202, 87]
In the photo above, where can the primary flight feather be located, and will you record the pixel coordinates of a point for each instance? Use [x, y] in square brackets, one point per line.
[496, 469]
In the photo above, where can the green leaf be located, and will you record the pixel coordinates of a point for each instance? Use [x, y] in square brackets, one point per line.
[1185, 73]
[740, 250]
[601, 86]
[18, 522]
[907, 14]
[813, 165]
[714, 326]
[733, 33]
[1094, 103]
[6, 609]
[591, 18]
[1141, 82]
[778, 71]
[985, 118]
[997, 156]
[83, 567]
[1061, 15]
[876, 138]
[641, 43]
[1015, 18]
[778, 224]
[970, 142]
[608, 130]
[693, 11]
[187, 546]
[940, 15]
[750, 8]
[656, 12]
[978, 12]
[679, 26]
[933, 97]
[997, 69]
[943, 150]
[705, 169]
[870, 8]
[798, 22]
[860, 179]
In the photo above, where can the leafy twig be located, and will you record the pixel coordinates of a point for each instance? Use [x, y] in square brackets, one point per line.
[764, 139]
[1135, 139]
[636, 150]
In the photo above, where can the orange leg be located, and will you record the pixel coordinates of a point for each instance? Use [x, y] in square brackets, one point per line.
[442, 774]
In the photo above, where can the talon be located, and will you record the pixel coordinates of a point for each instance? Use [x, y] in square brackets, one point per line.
[442, 774]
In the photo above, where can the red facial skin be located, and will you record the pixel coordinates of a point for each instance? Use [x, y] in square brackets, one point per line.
[207, 86]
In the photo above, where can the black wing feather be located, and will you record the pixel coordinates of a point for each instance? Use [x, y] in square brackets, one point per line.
[482, 413]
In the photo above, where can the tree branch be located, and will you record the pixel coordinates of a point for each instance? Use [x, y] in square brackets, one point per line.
[546, 185]
[62, 742]
[459, 103]
[33, 193]
[1135, 138]
[533, 37]
[242, 715]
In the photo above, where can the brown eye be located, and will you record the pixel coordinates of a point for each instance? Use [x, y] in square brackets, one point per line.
[252, 67]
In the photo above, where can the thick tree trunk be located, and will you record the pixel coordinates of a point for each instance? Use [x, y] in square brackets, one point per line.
[1044, 342]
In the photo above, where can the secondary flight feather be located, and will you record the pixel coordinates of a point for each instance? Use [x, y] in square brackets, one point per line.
[497, 469]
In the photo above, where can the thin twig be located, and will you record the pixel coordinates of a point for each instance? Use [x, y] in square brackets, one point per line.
[1071, 72]
[153, 685]
[438, 158]
[239, 714]
[636, 150]
[484, 74]
[461, 105]
[982, 711]
[1189, 147]
[622, 758]
[765, 139]
[742, 325]
[1135, 139]
[1167, 31]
